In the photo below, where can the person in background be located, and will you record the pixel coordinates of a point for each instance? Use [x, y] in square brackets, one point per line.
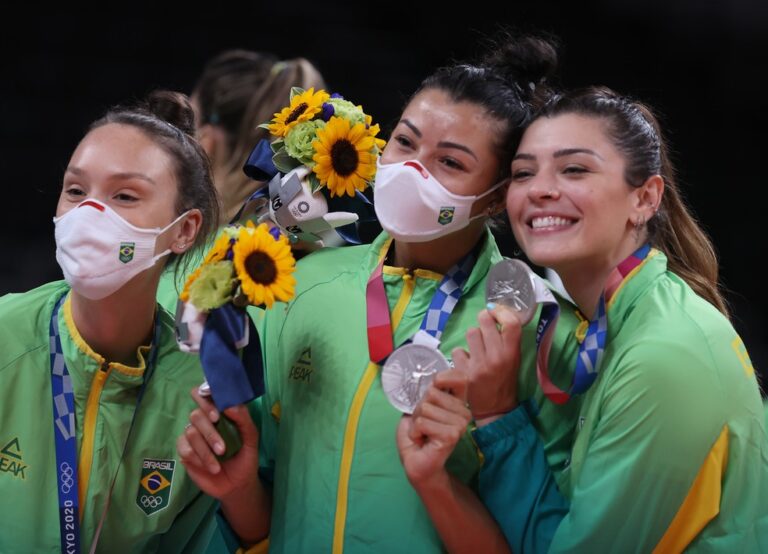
[236, 92]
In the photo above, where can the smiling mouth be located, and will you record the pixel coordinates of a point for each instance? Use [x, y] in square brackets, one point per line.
[551, 223]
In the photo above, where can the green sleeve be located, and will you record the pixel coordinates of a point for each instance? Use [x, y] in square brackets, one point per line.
[192, 529]
[766, 415]
[528, 510]
[655, 422]
[265, 410]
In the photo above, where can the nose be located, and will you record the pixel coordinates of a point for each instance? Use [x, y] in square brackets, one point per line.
[92, 204]
[418, 167]
[541, 188]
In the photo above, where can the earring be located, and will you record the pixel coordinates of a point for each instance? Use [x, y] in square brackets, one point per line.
[181, 245]
[639, 223]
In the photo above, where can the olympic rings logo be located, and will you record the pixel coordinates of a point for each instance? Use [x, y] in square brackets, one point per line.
[65, 476]
[151, 501]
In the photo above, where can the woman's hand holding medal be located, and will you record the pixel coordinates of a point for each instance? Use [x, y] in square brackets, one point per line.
[492, 363]
[426, 438]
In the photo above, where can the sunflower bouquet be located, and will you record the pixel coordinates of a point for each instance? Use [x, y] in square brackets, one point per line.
[331, 136]
[248, 265]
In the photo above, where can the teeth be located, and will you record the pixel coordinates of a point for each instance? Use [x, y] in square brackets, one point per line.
[549, 221]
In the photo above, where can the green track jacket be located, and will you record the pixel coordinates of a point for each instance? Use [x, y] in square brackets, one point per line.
[670, 452]
[327, 429]
[155, 507]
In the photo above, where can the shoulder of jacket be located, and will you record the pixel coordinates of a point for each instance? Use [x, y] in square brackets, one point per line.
[24, 319]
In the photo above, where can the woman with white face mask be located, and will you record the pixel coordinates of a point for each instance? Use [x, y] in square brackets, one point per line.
[344, 469]
[92, 382]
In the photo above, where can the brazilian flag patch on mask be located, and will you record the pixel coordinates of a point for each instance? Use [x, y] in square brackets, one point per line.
[446, 215]
[126, 251]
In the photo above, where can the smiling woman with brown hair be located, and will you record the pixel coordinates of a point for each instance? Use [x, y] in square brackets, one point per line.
[670, 452]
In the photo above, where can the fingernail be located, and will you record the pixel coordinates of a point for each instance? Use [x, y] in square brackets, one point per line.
[214, 415]
[214, 468]
[219, 448]
[490, 305]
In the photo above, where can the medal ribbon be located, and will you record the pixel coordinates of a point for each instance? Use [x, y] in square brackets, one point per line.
[592, 348]
[445, 299]
[64, 431]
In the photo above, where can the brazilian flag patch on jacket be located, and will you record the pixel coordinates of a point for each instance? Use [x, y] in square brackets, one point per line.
[155, 485]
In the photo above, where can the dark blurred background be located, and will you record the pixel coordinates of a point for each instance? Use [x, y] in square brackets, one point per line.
[699, 64]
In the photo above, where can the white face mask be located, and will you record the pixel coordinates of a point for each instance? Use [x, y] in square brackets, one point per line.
[412, 205]
[99, 251]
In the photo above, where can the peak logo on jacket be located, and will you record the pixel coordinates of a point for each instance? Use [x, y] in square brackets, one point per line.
[11, 460]
[155, 485]
[302, 367]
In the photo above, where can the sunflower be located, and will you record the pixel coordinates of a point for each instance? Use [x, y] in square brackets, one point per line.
[303, 107]
[219, 249]
[343, 158]
[264, 266]
[217, 253]
[373, 130]
[184, 296]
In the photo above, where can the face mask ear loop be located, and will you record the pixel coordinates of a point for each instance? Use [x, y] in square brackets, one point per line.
[485, 213]
[172, 223]
[161, 233]
[162, 254]
[492, 189]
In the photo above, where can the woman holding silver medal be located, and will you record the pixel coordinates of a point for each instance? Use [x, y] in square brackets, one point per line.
[329, 440]
[670, 452]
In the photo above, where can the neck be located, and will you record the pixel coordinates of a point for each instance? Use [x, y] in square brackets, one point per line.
[441, 254]
[117, 325]
[585, 281]
[585, 288]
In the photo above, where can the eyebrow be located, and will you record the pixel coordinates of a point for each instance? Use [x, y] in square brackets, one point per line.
[124, 176]
[569, 151]
[412, 127]
[443, 144]
[560, 154]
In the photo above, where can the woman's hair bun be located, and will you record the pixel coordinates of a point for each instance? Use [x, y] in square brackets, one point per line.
[172, 107]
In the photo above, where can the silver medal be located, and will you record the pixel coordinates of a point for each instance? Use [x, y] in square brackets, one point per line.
[511, 283]
[408, 372]
[204, 390]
